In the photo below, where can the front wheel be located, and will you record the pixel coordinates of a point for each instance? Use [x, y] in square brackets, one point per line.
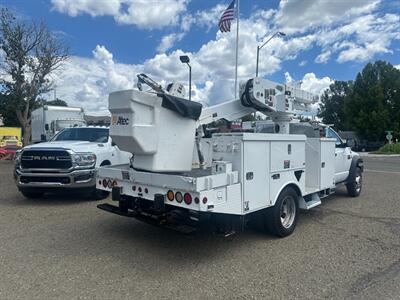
[281, 219]
[355, 185]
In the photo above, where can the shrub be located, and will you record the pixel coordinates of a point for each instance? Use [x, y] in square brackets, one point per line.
[389, 149]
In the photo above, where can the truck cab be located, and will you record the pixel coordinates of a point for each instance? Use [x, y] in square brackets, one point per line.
[343, 156]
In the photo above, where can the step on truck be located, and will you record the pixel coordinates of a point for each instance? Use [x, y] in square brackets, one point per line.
[180, 178]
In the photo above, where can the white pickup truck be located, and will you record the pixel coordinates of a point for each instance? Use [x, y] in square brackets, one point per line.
[69, 161]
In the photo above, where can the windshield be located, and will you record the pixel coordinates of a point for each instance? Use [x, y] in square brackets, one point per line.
[97, 135]
[329, 133]
[9, 137]
[61, 124]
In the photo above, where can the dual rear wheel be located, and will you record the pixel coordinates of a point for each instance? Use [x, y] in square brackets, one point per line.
[281, 219]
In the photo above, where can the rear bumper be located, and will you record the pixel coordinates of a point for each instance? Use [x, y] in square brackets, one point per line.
[74, 179]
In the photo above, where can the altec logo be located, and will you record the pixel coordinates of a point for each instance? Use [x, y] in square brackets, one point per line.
[118, 120]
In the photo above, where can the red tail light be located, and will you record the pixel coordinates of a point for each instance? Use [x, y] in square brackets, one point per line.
[187, 198]
[104, 182]
[205, 200]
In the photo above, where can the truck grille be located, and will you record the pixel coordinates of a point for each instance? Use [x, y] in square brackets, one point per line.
[46, 159]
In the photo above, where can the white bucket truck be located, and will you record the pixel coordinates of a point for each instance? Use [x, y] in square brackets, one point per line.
[179, 179]
[49, 120]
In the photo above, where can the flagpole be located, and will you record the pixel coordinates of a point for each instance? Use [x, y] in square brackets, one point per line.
[237, 46]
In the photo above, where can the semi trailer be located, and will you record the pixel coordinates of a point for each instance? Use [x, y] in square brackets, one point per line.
[180, 179]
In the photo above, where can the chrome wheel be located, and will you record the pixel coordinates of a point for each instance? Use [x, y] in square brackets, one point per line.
[288, 211]
[358, 183]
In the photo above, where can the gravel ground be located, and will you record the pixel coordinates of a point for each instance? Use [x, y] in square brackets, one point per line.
[63, 247]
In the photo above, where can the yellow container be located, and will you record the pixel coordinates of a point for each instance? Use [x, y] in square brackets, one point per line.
[10, 136]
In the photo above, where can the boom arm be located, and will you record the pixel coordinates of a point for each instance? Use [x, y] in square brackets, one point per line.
[230, 111]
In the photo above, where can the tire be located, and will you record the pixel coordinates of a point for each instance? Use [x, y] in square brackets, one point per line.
[281, 219]
[355, 186]
[32, 195]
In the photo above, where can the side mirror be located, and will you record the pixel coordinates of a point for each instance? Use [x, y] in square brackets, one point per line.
[350, 143]
[46, 127]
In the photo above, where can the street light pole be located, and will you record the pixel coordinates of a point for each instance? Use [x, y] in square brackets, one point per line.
[260, 47]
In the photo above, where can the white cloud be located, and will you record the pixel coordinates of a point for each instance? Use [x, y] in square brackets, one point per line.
[169, 40]
[299, 16]
[323, 57]
[130, 12]
[205, 18]
[313, 84]
[86, 82]
[92, 7]
[356, 35]
[302, 63]
[397, 66]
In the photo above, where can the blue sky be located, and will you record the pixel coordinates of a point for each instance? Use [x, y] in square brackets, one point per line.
[113, 40]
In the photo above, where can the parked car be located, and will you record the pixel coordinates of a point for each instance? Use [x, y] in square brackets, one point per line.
[69, 161]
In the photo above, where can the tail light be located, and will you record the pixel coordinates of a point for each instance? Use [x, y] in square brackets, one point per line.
[178, 197]
[187, 198]
[146, 190]
[205, 200]
[109, 184]
[170, 195]
[196, 200]
[139, 189]
[134, 188]
[104, 182]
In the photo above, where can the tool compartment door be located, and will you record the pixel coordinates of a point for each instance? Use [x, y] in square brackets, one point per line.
[255, 175]
[327, 179]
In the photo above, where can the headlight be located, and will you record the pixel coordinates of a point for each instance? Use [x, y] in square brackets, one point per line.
[17, 158]
[84, 159]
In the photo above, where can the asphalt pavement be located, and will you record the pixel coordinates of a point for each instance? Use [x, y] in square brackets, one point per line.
[63, 247]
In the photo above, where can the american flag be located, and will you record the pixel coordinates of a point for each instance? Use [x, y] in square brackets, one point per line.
[227, 17]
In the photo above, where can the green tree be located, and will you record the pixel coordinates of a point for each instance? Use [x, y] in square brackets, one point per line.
[332, 104]
[30, 54]
[7, 111]
[374, 102]
[57, 102]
